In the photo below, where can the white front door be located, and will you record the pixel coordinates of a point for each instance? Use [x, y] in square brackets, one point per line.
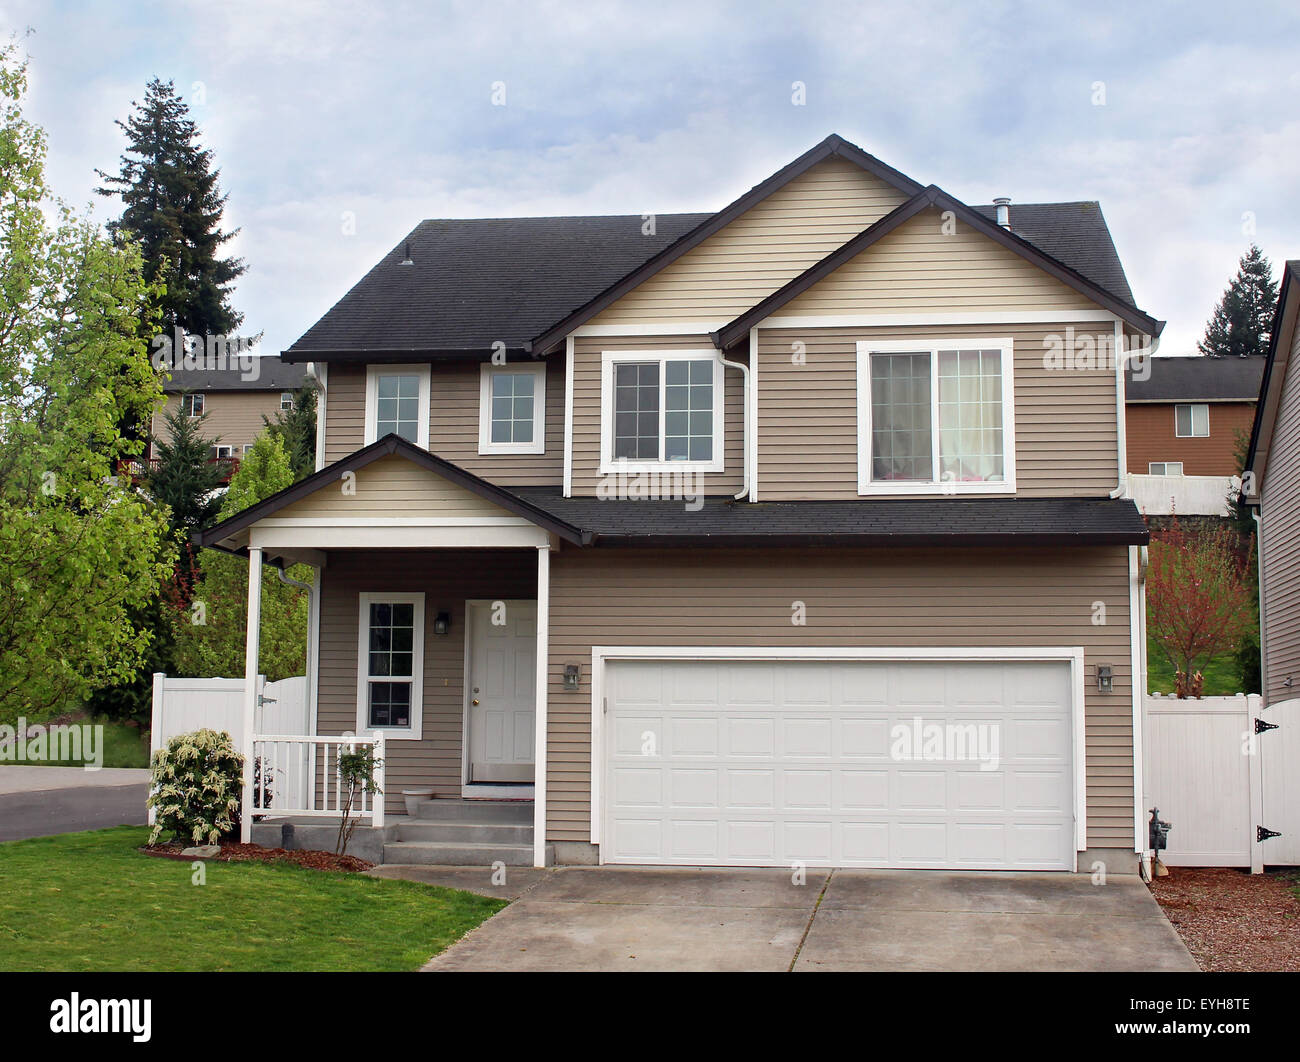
[500, 687]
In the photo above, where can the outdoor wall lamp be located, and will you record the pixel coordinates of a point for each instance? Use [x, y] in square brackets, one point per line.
[1105, 679]
[570, 676]
[442, 623]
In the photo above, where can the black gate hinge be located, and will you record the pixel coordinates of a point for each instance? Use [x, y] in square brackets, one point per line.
[1263, 834]
[1261, 726]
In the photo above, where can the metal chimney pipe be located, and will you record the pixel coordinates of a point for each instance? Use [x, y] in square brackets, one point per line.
[1003, 204]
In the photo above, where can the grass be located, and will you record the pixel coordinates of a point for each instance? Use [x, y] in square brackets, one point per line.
[124, 746]
[1221, 675]
[91, 902]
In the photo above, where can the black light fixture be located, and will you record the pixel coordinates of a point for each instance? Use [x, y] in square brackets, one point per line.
[442, 623]
[1105, 679]
[570, 676]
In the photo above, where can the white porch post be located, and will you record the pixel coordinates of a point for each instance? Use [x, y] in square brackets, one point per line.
[251, 643]
[540, 684]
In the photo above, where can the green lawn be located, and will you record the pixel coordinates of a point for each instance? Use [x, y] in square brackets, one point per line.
[124, 746]
[1221, 675]
[90, 901]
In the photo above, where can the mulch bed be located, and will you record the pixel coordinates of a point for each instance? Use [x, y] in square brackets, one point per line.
[255, 853]
[1234, 921]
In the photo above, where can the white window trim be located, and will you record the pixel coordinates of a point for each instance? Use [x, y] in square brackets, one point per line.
[932, 345]
[196, 396]
[1165, 465]
[411, 733]
[485, 444]
[373, 372]
[1192, 417]
[283, 396]
[219, 447]
[611, 358]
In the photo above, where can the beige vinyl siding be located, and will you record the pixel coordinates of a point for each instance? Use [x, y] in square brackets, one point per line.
[853, 598]
[391, 486]
[919, 269]
[1280, 509]
[447, 578]
[453, 423]
[587, 412]
[771, 243]
[233, 418]
[1066, 438]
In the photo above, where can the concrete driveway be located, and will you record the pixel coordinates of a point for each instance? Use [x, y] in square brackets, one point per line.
[608, 918]
[39, 801]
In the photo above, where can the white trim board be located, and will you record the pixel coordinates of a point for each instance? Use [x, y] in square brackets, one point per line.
[419, 536]
[892, 320]
[653, 328]
[568, 416]
[601, 655]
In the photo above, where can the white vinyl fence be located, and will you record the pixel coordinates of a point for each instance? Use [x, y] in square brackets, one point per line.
[1225, 773]
[1184, 495]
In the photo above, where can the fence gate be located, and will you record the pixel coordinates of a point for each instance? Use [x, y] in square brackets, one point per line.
[1279, 753]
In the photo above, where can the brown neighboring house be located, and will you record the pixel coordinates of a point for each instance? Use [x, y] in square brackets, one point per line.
[233, 402]
[747, 538]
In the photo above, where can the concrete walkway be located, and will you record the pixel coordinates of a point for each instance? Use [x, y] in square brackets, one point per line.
[623, 918]
[40, 801]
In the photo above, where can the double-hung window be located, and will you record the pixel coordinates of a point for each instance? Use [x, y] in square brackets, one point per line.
[661, 409]
[512, 409]
[192, 405]
[936, 417]
[397, 403]
[286, 400]
[390, 664]
[1192, 421]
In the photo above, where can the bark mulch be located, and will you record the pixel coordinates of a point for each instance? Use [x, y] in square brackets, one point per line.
[1234, 921]
[254, 853]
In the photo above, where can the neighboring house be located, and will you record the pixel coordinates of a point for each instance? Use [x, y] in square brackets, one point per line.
[1188, 419]
[898, 626]
[234, 402]
[1273, 485]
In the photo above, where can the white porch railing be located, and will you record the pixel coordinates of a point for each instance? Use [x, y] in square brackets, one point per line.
[295, 774]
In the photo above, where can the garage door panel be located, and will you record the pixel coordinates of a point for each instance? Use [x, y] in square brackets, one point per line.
[737, 773]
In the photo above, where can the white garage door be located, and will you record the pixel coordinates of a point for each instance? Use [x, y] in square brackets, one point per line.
[940, 764]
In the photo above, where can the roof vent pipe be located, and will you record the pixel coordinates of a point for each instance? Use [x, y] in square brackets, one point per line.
[1003, 203]
[406, 254]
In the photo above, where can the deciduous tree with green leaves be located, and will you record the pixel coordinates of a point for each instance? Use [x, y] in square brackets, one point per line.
[80, 549]
[211, 616]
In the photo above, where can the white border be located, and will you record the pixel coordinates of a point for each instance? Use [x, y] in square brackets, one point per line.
[891, 320]
[373, 372]
[1074, 655]
[485, 444]
[921, 345]
[608, 360]
[653, 328]
[1192, 406]
[411, 733]
[568, 415]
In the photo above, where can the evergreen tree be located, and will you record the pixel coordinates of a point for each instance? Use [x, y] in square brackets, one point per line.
[172, 208]
[1241, 322]
[185, 480]
[296, 430]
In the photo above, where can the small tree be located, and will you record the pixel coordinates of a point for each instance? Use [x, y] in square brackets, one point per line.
[209, 619]
[1241, 322]
[185, 480]
[356, 775]
[1198, 597]
[296, 430]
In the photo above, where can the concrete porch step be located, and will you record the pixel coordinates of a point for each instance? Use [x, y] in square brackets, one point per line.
[465, 832]
[480, 812]
[450, 854]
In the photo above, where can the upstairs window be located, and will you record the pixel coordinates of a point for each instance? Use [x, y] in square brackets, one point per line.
[935, 417]
[192, 405]
[286, 400]
[661, 409]
[1192, 421]
[397, 403]
[512, 409]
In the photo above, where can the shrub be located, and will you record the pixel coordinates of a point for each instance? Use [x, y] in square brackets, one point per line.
[197, 780]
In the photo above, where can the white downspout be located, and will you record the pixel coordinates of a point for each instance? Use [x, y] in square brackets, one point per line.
[1121, 488]
[1257, 516]
[319, 374]
[744, 417]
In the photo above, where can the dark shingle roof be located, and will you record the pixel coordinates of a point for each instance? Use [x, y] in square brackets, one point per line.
[1075, 234]
[1196, 379]
[888, 521]
[267, 374]
[474, 282]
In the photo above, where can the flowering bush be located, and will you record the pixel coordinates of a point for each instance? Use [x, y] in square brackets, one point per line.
[197, 780]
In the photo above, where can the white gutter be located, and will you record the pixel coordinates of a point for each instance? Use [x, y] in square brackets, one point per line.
[744, 416]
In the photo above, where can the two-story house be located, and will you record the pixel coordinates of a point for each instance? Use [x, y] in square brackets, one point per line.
[789, 533]
[1189, 421]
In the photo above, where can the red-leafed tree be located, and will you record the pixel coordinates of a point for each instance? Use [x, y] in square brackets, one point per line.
[1198, 597]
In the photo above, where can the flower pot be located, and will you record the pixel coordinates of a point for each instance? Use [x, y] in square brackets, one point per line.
[413, 797]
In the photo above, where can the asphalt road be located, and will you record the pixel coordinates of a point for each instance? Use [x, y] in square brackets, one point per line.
[89, 803]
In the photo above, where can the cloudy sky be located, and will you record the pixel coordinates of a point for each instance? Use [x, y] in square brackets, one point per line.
[1179, 117]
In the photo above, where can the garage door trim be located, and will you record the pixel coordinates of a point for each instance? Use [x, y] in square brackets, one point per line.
[601, 655]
